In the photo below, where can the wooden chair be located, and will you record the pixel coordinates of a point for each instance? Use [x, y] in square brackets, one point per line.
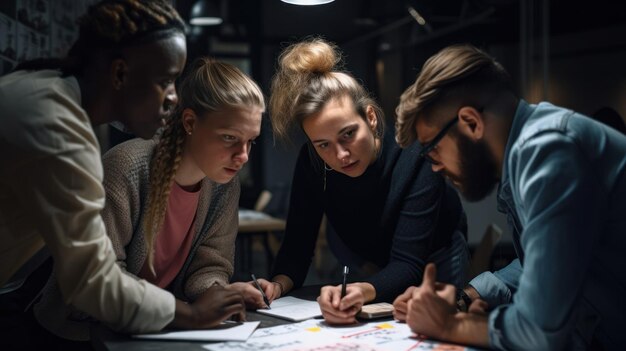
[262, 240]
[261, 202]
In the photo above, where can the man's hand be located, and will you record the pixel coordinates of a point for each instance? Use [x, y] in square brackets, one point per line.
[210, 309]
[400, 304]
[432, 308]
[251, 295]
[478, 306]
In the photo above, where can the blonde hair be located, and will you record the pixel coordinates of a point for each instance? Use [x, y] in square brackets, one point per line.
[209, 86]
[458, 72]
[306, 81]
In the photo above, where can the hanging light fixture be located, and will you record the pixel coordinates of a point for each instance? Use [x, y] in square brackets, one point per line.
[307, 2]
[205, 13]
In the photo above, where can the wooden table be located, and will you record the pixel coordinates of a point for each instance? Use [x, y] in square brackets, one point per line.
[255, 224]
[253, 221]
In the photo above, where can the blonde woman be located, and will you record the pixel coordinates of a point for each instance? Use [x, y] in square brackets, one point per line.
[390, 212]
[172, 204]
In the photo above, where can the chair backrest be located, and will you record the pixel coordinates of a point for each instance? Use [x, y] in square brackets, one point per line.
[262, 201]
[482, 255]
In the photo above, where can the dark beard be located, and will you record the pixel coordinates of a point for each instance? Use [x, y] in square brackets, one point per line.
[478, 169]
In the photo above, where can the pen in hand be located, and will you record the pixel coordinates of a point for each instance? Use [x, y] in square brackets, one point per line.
[265, 299]
[345, 278]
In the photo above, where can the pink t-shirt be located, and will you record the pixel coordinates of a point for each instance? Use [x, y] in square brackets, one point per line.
[175, 237]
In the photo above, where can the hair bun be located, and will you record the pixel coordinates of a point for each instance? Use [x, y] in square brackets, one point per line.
[313, 56]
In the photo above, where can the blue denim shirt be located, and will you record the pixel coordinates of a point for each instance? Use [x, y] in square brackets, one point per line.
[563, 189]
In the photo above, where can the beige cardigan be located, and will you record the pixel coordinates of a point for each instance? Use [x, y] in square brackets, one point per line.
[126, 181]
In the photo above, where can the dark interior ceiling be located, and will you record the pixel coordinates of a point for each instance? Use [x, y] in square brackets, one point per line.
[351, 21]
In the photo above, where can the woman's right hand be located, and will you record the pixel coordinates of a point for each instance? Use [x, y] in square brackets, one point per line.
[273, 290]
[279, 286]
[210, 309]
[341, 310]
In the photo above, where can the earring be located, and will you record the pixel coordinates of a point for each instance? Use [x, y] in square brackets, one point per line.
[326, 168]
[189, 132]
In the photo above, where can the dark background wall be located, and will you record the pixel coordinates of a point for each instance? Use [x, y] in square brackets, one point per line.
[568, 52]
[571, 53]
[37, 28]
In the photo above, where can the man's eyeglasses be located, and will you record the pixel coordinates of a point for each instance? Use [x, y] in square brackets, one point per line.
[426, 149]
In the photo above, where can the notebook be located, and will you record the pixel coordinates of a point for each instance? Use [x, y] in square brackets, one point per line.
[376, 310]
[293, 309]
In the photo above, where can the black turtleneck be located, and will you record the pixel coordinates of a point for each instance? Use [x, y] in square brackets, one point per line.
[394, 215]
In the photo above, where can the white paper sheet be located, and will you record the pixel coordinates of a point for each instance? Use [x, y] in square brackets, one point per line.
[225, 332]
[293, 309]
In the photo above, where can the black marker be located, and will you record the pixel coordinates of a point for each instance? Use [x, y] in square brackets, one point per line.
[345, 279]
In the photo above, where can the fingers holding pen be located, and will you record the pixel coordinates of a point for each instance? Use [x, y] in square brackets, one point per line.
[338, 310]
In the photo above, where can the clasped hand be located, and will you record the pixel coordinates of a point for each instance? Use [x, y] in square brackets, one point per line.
[337, 310]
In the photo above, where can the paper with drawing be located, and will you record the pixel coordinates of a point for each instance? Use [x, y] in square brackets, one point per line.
[316, 335]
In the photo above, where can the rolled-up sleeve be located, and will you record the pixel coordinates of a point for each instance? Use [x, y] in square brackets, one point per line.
[498, 288]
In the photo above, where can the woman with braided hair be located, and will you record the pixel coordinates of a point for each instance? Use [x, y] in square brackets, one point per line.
[172, 202]
[122, 67]
[184, 203]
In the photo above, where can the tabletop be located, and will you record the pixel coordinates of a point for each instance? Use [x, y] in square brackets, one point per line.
[255, 221]
[103, 338]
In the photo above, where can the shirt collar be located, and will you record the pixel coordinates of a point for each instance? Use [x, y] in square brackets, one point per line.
[522, 113]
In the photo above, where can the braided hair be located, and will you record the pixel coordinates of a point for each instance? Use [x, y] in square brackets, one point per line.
[210, 85]
[113, 25]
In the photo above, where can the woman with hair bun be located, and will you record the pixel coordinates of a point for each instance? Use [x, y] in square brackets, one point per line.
[390, 213]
